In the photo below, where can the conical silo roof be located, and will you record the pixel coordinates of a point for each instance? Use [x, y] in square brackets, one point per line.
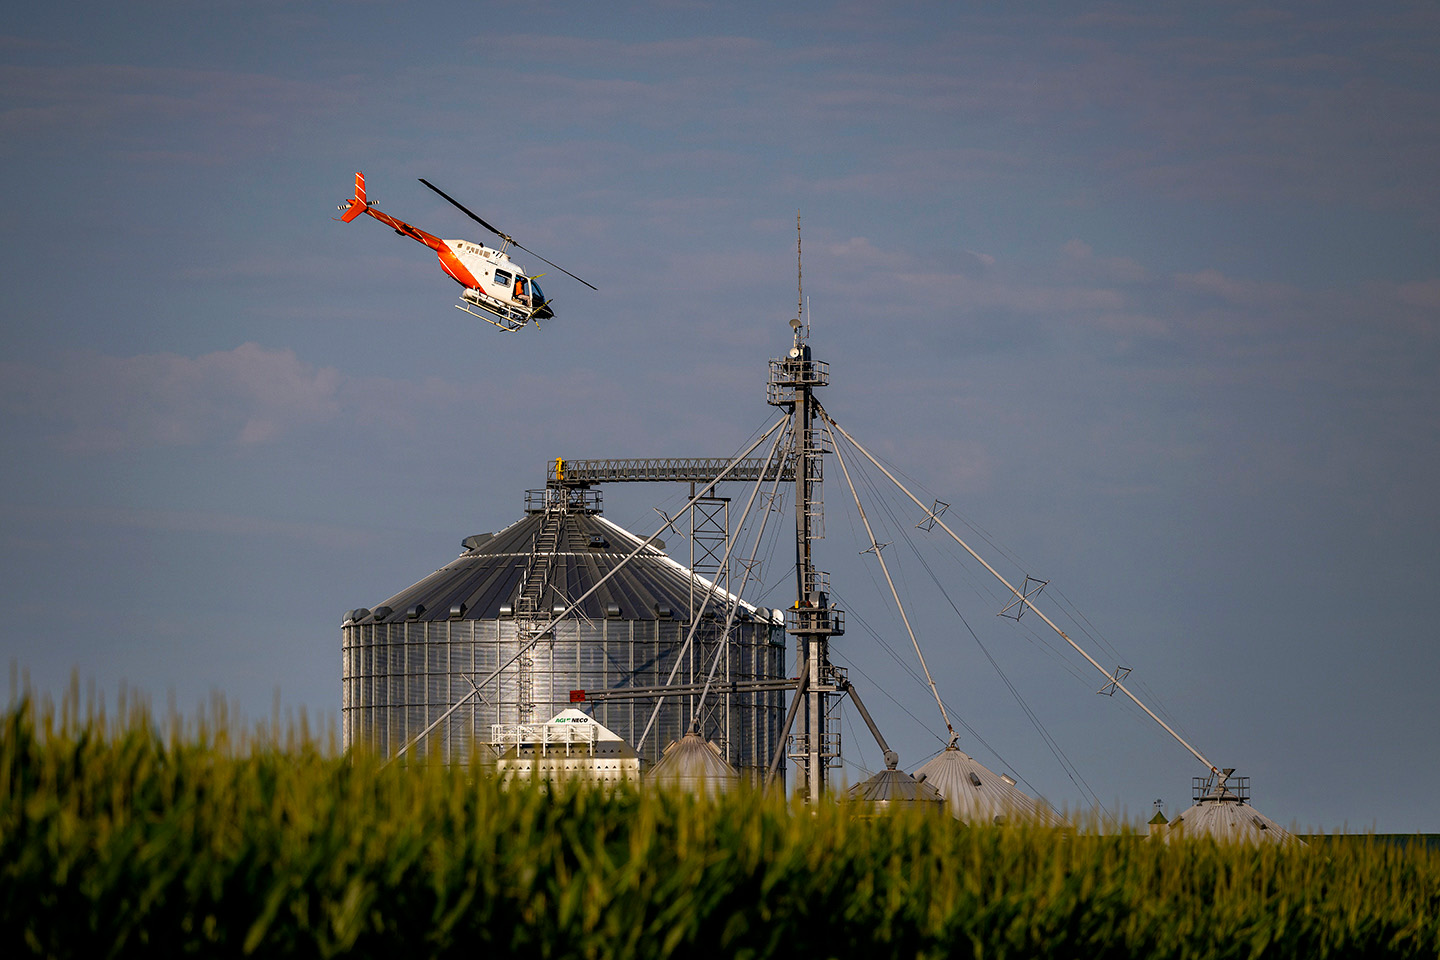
[1224, 814]
[487, 578]
[976, 794]
[894, 788]
[693, 763]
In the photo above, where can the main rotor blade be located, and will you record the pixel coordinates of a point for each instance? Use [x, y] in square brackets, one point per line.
[503, 236]
[553, 264]
[467, 213]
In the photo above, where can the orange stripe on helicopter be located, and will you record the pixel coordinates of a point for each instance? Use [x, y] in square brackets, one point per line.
[451, 264]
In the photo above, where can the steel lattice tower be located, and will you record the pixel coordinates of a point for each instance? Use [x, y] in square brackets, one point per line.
[812, 620]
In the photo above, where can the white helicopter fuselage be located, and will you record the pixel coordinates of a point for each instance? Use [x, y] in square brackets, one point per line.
[492, 272]
[494, 283]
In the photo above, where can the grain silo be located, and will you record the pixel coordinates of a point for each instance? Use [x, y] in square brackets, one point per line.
[891, 790]
[975, 794]
[1222, 812]
[695, 765]
[441, 669]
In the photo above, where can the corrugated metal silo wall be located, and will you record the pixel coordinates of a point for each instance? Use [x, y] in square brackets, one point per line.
[400, 677]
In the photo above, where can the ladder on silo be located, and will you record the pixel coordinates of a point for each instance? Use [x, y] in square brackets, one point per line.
[528, 606]
[542, 563]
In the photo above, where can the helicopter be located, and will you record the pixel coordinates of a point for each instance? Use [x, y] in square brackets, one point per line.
[497, 290]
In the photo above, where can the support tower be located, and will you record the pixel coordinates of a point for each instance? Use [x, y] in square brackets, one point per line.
[815, 748]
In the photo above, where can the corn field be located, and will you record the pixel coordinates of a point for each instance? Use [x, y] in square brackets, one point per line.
[132, 836]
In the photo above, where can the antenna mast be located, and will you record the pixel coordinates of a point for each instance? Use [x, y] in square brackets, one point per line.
[799, 273]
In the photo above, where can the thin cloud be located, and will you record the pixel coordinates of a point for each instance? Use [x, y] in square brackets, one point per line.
[253, 396]
[1236, 291]
[1081, 256]
[126, 105]
[249, 395]
[218, 523]
[720, 51]
[1421, 293]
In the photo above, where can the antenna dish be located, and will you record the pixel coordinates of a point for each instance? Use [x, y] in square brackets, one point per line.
[795, 324]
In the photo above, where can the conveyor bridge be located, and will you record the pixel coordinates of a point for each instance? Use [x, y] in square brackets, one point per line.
[583, 473]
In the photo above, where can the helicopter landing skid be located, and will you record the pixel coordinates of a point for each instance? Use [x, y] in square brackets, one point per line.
[506, 318]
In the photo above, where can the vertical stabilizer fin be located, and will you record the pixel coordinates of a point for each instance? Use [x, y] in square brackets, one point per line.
[357, 204]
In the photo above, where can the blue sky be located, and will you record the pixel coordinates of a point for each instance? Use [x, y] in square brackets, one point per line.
[1149, 292]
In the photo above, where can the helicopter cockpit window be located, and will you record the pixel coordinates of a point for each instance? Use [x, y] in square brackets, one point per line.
[502, 278]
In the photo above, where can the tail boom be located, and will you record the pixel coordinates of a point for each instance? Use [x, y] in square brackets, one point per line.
[450, 263]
